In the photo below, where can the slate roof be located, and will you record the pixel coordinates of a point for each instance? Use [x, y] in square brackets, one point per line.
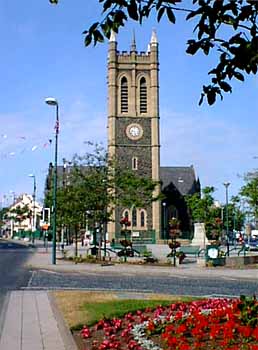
[182, 177]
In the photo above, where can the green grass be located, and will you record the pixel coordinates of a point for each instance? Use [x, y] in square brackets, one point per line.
[118, 308]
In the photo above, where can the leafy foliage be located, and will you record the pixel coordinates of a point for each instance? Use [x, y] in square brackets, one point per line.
[200, 206]
[228, 27]
[250, 192]
[236, 215]
[203, 210]
[94, 185]
[19, 213]
[248, 311]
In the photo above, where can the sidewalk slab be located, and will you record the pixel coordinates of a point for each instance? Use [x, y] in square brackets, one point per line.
[30, 323]
[42, 260]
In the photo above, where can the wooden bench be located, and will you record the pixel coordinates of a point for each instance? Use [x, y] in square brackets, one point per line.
[139, 249]
[243, 250]
[190, 250]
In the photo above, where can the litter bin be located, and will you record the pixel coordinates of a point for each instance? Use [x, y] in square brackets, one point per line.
[94, 251]
[212, 255]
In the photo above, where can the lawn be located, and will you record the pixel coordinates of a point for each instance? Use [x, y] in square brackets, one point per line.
[80, 308]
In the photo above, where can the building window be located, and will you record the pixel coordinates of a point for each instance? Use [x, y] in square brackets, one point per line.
[134, 218]
[142, 218]
[124, 95]
[134, 163]
[143, 96]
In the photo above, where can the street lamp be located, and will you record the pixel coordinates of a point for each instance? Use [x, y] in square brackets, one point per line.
[34, 208]
[164, 219]
[53, 102]
[226, 184]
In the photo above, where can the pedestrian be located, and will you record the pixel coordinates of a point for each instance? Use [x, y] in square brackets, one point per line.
[87, 243]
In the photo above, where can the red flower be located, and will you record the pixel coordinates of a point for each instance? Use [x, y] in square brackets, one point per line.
[151, 326]
[214, 331]
[172, 341]
[255, 333]
[245, 331]
[254, 347]
[85, 332]
[181, 328]
[133, 345]
[184, 347]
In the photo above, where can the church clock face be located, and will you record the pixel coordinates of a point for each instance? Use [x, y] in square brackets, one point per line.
[134, 131]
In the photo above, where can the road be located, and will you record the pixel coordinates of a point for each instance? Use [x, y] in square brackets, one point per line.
[12, 273]
[15, 276]
[158, 284]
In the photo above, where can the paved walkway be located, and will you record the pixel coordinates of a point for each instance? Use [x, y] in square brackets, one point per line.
[191, 267]
[30, 323]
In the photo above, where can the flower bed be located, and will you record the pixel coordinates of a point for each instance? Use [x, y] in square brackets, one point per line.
[229, 324]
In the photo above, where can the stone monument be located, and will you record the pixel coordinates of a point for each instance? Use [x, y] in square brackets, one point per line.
[199, 238]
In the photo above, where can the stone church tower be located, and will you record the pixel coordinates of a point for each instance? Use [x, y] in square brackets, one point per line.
[133, 125]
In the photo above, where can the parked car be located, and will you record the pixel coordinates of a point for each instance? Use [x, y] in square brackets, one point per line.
[252, 243]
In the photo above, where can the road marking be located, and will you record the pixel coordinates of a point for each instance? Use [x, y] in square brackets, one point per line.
[222, 296]
[228, 278]
[90, 289]
[30, 280]
[49, 271]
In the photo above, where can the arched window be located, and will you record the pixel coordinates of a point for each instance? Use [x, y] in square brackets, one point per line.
[124, 95]
[134, 217]
[143, 96]
[134, 163]
[142, 218]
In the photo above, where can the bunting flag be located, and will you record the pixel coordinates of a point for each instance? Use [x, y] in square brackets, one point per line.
[57, 126]
[5, 142]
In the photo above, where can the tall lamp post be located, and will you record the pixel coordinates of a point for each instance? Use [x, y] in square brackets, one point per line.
[226, 184]
[34, 207]
[53, 102]
[12, 194]
[164, 220]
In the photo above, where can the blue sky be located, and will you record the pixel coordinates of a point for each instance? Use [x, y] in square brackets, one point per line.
[42, 54]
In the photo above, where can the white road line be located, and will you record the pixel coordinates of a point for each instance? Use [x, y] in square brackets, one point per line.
[228, 278]
[30, 280]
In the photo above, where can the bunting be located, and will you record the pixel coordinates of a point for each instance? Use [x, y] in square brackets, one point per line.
[7, 149]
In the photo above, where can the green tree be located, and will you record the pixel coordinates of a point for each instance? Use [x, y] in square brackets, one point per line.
[3, 212]
[250, 193]
[203, 209]
[19, 214]
[227, 28]
[93, 186]
[236, 215]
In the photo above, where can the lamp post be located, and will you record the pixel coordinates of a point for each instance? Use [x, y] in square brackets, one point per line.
[34, 208]
[226, 184]
[53, 102]
[12, 193]
[164, 220]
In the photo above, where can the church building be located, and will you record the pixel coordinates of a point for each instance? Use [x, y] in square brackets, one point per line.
[134, 141]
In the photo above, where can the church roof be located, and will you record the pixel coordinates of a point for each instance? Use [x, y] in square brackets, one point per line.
[182, 177]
